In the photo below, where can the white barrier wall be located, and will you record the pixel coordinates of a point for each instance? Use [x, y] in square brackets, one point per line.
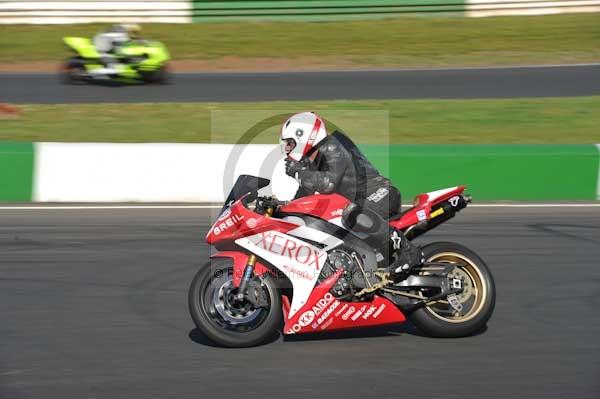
[492, 8]
[73, 12]
[97, 172]
[150, 172]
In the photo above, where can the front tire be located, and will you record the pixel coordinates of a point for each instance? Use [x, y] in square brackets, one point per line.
[160, 76]
[478, 297]
[224, 321]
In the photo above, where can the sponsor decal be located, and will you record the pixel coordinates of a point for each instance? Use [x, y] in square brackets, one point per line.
[251, 223]
[339, 312]
[225, 213]
[327, 324]
[322, 316]
[337, 212]
[454, 200]
[421, 215]
[346, 315]
[294, 272]
[227, 223]
[369, 312]
[359, 313]
[379, 310]
[309, 316]
[437, 212]
[306, 318]
[378, 195]
[322, 303]
[301, 253]
[396, 239]
[327, 312]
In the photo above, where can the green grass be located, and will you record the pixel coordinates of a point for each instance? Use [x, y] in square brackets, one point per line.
[548, 120]
[446, 41]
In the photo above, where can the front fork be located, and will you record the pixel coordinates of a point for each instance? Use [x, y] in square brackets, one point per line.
[249, 269]
[246, 277]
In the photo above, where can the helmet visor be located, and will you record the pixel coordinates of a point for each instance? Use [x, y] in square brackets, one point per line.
[287, 145]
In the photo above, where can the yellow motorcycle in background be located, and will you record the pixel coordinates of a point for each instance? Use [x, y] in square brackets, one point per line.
[138, 61]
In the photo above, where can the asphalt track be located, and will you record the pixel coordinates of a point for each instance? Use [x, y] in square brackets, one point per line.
[557, 81]
[93, 305]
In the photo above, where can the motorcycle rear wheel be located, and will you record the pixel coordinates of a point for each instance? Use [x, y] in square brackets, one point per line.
[478, 298]
[224, 321]
[73, 73]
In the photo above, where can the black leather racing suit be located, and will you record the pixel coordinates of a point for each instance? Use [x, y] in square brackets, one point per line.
[340, 167]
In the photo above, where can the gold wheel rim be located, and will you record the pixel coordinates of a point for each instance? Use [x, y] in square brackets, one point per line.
[478, 287]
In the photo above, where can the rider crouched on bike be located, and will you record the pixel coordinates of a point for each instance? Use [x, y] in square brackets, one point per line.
[109, 42]
[332, 163]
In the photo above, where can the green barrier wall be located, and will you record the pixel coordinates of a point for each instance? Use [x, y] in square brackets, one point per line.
[492, 172]
[16, 171]
[207, 11]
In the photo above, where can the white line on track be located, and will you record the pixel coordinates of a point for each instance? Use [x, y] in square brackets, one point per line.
[433, 69]
[406, 206]
[316, 71]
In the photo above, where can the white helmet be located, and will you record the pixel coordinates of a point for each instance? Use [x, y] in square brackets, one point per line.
[300, 133]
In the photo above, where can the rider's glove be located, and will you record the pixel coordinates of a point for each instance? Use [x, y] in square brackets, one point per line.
[292, 167]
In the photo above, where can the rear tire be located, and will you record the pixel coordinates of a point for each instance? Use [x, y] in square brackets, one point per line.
[73, 72]
[223, 323]
[436, 320]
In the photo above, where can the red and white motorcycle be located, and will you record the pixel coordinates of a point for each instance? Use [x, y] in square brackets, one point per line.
[294, 265]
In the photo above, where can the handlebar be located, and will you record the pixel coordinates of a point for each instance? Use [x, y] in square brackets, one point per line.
[264, 203]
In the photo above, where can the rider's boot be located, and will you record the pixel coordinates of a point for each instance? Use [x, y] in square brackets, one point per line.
[406, 256]
[401, 255]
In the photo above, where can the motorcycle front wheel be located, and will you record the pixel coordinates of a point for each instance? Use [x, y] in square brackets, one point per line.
[161, 75]
[477, 301]
[223, 319]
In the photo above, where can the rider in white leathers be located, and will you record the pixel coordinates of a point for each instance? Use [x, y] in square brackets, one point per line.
[109, 42]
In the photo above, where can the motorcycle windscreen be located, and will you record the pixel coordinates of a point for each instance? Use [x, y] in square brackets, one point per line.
[243, 185]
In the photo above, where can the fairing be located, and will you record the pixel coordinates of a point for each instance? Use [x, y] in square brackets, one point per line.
[324, 312]
[423, 204]
[324, 206]
[82, 46]
[300, 261]
[237, 221]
